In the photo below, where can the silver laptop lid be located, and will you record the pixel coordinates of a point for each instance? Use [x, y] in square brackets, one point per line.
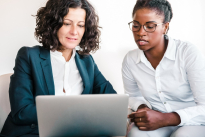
[82, 115]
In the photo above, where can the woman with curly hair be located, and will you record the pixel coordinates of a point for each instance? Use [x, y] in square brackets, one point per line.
[164, 77]
[56, 67]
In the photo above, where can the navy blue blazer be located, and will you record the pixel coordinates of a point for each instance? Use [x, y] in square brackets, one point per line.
[33, 76]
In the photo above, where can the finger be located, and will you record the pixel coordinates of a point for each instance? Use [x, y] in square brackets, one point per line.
[132, 119]
[141, 124]
[132, 115]
[142, 109]
[141, 119]
[143, 128]
[140, 114]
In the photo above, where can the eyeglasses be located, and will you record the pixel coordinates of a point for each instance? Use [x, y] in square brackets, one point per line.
[148, 27]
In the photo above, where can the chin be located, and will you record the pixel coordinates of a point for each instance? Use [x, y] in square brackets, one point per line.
[70, 46]
[142, 47]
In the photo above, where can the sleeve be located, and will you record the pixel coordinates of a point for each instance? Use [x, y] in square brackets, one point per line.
[131, 87]
[22, 101]
[101, 85]
[195, 67]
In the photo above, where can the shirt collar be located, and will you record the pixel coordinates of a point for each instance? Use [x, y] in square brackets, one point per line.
[170, 52]
[73, 55]
[60, 54]
[141, 57]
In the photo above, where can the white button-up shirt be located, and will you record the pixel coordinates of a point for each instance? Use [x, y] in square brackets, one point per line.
[65, 74]
[176, 85]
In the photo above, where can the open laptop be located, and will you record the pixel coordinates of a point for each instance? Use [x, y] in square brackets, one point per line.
[82, 115]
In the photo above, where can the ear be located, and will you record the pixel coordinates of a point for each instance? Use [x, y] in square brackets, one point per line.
[166, 27]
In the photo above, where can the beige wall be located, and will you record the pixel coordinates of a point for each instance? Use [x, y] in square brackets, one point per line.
[17, 30]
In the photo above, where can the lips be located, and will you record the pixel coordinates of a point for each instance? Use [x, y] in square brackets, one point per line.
[141, 42]
[72, 39]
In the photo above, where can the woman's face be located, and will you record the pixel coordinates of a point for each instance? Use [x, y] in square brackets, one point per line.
[146, 40]
[71, 33]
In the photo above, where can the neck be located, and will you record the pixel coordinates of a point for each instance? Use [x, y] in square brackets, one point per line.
[158, 51]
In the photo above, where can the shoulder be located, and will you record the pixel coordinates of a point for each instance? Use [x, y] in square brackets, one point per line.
[25, 58]
[25, 50]
[132, 56]
[182, 45]
[185, 48]
[31, 54]
[189, 55]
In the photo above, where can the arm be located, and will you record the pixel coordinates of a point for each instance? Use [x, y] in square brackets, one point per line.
[22, 101]
[131, 87]
[101, 85]
[194, 63]
[150, 119]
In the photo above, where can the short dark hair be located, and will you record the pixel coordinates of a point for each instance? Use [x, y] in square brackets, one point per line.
[49, 20]
[162, 7]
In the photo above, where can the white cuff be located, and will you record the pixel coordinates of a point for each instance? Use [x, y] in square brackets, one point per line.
[183, 117]
[134, 104]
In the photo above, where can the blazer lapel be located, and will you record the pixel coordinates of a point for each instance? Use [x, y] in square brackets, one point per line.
[47, 70]
[83, 73]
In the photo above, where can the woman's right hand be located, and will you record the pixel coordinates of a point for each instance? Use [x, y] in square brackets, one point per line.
[147, 119]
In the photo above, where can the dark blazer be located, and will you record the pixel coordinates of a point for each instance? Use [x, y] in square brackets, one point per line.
[33, 76]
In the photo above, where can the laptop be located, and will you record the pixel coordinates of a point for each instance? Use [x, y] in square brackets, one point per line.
[82, 115]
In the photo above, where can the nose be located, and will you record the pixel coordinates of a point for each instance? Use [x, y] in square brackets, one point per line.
[142, 31]
[73, 30]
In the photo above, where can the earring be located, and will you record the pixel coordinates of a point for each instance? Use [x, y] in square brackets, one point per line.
[165, 32]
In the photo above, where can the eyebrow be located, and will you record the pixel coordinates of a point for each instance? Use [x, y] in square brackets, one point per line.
[146, 22]
[72, 21]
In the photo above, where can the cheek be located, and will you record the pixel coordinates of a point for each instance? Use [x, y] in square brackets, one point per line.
[82, 32]
[135, 36]
[62, 31]
[155, 37]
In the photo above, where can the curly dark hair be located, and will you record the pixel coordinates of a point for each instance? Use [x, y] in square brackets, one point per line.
[162, 7]
[49, 20]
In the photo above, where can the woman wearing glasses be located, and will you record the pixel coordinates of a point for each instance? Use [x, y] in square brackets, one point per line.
[55, 68]
[165, 78]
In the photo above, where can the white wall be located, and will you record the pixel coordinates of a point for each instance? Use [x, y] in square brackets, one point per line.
[17, 30]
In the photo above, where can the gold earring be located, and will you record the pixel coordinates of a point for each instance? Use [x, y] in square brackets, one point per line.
[165, 32]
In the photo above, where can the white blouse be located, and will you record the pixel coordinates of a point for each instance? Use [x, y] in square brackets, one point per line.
[65, 74]
[176, 85]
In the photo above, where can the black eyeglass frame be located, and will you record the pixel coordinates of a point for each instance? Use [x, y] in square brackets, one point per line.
[144, 26]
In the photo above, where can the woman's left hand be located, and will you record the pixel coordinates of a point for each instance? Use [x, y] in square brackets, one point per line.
[148, 119]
